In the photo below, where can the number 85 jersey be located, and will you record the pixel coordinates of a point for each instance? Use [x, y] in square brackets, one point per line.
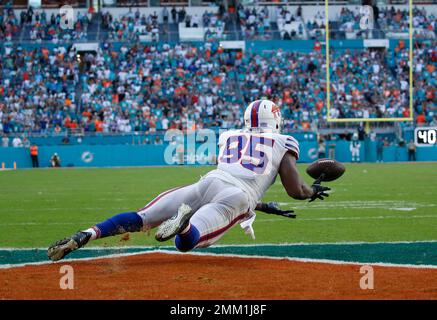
[251, 160]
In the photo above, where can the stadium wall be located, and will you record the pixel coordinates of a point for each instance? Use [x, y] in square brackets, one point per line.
[153, 155]
[306, 45]
[251, 46]
[391, 153]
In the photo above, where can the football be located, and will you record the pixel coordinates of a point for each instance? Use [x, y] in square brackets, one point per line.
[329, 168]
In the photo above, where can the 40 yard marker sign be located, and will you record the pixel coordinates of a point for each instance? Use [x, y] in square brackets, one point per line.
[424, 136]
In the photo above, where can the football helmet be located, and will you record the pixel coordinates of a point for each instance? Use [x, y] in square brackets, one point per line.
[264, 115]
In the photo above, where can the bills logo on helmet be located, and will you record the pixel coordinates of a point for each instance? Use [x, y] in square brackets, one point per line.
[276, 111]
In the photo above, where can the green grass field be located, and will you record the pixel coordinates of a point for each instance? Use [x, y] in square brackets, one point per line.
[371, 202]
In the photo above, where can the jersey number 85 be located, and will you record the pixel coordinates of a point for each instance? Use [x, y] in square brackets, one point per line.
[249, 151]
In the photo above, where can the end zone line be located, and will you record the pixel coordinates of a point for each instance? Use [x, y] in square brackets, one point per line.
[67, 261]
[304, 260]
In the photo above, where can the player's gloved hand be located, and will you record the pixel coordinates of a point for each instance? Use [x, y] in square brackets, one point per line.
[319, 190]
[273, 208]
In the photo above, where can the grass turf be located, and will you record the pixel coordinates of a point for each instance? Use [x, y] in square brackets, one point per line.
[371, 202]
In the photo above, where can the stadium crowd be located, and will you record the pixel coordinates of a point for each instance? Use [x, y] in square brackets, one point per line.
[37, 26]
[364, 86]
[388, 20]
[9, 24]
[212, 23]
[131, 26]
[425, 77]
[149, 88]
[37, 88]
[290, 25]
[43, 28]
[254, 22]
[155, 87]
[130, 86]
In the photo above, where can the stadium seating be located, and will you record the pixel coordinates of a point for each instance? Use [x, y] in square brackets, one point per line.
[136, 82]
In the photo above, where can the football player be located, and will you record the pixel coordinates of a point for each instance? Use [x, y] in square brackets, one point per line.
[198, 215]
[354, 148]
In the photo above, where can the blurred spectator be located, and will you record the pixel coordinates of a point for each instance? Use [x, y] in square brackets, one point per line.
[181, 14]
[65, 139]
[158, 140]
[290, 26]
[299, 11]
[17, 143]
[411, 151]
[254, 22]
[188, 22]
[26, 142]
[379, 149]
[174, 14]
[34, 156]
[55, 161]
[146, 139]
[321, 151]
[165, 15]
[5, 141]
[132, 26]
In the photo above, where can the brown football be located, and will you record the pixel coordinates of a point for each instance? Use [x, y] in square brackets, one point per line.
[329, 168]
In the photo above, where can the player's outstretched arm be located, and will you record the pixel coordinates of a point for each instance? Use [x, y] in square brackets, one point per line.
[291, 180]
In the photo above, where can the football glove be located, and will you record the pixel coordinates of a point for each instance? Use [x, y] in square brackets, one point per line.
[273, 208]
[319, 190]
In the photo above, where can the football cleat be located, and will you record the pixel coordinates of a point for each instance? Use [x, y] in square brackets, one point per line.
[176, 224]
[61, 248]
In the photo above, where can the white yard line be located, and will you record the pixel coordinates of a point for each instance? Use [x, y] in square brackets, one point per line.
[400, 217]
[388, 204]
[7, 224]
[7, 210]
[354, 218]
[284, 244]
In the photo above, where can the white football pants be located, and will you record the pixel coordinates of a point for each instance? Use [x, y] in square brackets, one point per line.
[218, 206]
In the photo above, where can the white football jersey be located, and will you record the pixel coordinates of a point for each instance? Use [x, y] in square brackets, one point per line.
[251, 160]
